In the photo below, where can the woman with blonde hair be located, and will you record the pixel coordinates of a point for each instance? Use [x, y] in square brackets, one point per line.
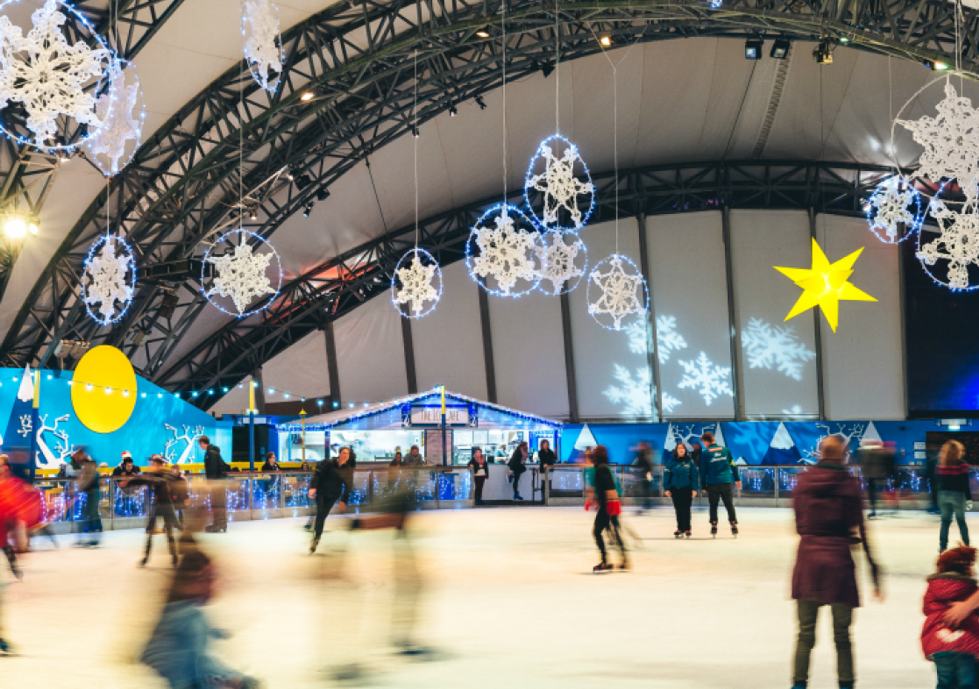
[953, 491]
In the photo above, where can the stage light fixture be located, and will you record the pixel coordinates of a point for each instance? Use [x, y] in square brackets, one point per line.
[606, 41]
[414, 132]
[480, 102]
[303, 181]
[323, 194]
[252, 213]
[935, 65]
[168, 305]
[780, 48]
[15, 227]
[546, 69]
[823, 53]
[483, 33]
[453, 110]
[752, 49]
[307, 96]
[307, 210]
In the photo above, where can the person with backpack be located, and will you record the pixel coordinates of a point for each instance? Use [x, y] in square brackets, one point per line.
[680, 481]
[216, 471]
[717, 474]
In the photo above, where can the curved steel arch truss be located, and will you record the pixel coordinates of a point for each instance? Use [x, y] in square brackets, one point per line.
[184, 184]
[340, 285]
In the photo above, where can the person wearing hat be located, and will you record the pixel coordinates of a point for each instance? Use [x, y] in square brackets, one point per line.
[165, 491]
[126, 467]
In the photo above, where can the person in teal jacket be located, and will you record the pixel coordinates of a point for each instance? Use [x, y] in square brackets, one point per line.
[680, 481]
[717, 472]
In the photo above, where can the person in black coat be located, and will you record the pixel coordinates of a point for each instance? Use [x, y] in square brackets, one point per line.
[480, 472]
[165, 493]
[332, 482]
[216, 471]
[517, 466]
[270, 463]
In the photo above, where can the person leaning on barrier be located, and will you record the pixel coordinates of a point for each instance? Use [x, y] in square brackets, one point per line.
[270, 463]
[126, 467]
[414, 457]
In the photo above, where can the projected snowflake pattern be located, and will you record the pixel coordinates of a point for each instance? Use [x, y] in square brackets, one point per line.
[117, 109]
[670, 403]
[957, 245]
[620, 293]
[667, 338]
[559, 185]
[766, 346]
[108, 278]
[560, 262]
[46, 74]
[506, 251]
[707, 378]
[634, 393]
[895, 211]
[418, 283]
[260, 25]
[241, 275]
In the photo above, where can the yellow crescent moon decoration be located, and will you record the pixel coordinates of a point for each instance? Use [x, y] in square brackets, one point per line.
[103, 391]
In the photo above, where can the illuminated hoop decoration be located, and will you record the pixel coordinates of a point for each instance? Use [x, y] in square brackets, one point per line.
[416, 279]
[895, 210]
[263, 42]
[500, 252]
[241, 274]
[108, 279]
[616, 293]
[49, 97]
[122, 129]
[956, 246]
[560, 176]
[564, 261]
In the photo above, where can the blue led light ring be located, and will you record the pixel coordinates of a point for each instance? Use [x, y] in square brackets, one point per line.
[245, 235]
[101, 86]
[521, 222]
[426, 259]
[919, 206]
[636, 273]
[273, 85]
[559, 236]
[120, 65]
[924, 265]
[540, 155]
[131, 280]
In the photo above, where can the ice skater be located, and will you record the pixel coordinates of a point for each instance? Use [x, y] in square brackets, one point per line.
[953, 652]
[604, 497]
[680, 480]
[164, 488]
[332, 483]
[717, 473]
[953, 491]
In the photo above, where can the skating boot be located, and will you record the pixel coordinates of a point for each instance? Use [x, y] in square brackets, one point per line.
[734, 529]
[601, 567]
[4, 646]
[312, 545]
[687, 534]
[677, 534]
[713, 530]
[142, 563]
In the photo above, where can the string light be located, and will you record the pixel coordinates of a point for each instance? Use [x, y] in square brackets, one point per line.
[108, 278]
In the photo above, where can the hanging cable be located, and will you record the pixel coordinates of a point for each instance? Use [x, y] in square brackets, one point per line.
[415, 134]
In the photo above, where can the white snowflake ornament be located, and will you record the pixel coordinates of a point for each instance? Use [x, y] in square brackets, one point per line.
[561, 177]
[500, 252]
[417, 279]
[895, 211]
[108, 279]
[767, 346]
[616, 289]
[956, 247]
[707, 378]
[48, 76]
[263, 44]
[563, 262]
[122, 111]
[241, 274]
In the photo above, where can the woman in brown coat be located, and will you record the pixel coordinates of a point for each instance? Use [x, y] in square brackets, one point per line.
[829, 518]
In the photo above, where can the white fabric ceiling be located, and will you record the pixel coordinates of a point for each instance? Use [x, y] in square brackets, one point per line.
[678, 101]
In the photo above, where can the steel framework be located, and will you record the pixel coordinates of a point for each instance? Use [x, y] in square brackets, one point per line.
[355, 58]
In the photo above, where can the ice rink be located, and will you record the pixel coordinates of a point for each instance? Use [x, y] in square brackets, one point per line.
[510, 601]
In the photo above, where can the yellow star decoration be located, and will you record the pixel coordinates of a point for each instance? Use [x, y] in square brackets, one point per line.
[825, 285]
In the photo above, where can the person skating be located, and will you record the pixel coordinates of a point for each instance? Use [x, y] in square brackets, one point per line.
[644, 463]
[954, 653]
[870, 457]
[165, 491]
[87, 481]
[828, 505]
[717, 474]
[216, 471]
[680, 481]
[331, 483]
[517, 465]
[605, 499]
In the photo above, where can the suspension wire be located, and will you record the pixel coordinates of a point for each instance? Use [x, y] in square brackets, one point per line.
[557, 70]
[503, 25]
[415, 134]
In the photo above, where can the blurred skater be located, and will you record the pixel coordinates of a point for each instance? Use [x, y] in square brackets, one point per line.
[870, 457]
[216, 471]
[829, 518]
[480, 472]
[178, 647]
[332, 483]
[680, 481]
[644, 463]
[718, 473]
[163, 488]
[954, 653]
[87, 482]
[953, 491]
[604, 497]
[517, 464]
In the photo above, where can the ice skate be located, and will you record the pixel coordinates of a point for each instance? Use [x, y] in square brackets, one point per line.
[734, 529]
[677, 534]
[687, 534]
[601, 567]
[713, 530]
[313, 544]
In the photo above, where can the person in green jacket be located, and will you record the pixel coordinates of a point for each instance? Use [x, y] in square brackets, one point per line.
[717, 472]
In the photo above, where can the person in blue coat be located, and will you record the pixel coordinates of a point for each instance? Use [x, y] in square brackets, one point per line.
[717, 474]
[680, 480]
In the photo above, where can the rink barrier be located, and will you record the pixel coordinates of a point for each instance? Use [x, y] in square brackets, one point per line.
[278, 495]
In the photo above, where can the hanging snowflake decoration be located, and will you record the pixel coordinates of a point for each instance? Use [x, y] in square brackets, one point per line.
[563, 264]
[241, 274]
[956, 247]
[122, 111]
[561, 177]
[417, 279]
[53, 80]
[895, 211]
[500, 252]
[616, 289]
[707, 378]
[767, 346]
[108, 279]
[263, 44]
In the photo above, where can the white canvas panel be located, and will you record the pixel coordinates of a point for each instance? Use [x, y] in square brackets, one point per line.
[370, 353]
[689, 287]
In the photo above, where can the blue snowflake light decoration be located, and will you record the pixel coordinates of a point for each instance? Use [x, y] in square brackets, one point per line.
[617, 293]
[895, 211]
[242, 273]
[559, 175]
[416, 279]
[108, 279]
[501, 250]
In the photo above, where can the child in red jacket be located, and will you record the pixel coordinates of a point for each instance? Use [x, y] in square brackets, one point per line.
[953, 651]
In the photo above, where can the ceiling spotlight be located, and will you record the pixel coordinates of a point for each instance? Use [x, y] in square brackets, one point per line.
[935, 65]
[483, 33]
[780, 48]
[823, 53]
[752, 49]
[546, 69]
[453, 110]
[307, 210]
[291, 177]
[15, 227]
[252, 213]
[323, 194]
[606, 41]
[307, 96]
[480, 102]
[414, 132]
[303, 181]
